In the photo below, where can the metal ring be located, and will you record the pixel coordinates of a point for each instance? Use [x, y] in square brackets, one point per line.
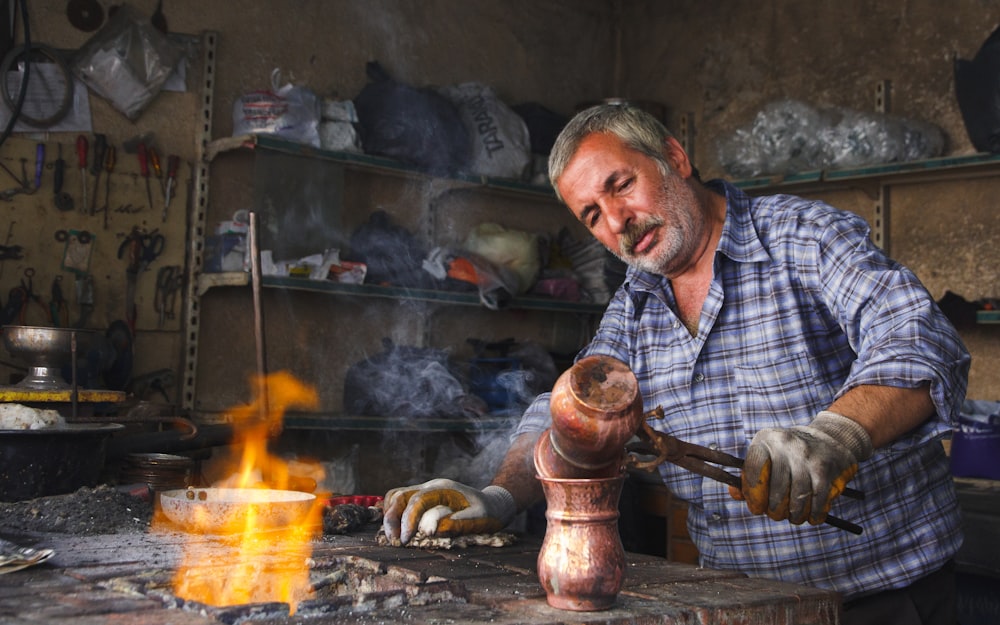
[51, 54]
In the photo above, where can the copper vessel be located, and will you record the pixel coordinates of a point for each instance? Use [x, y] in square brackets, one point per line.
[596, 408]
[581, 564]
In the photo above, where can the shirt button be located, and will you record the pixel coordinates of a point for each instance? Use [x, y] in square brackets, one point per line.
[699, 377]
[716, 516]
[713, 446]
[677, 324]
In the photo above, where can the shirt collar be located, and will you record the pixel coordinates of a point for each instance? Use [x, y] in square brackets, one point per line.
[739, 240]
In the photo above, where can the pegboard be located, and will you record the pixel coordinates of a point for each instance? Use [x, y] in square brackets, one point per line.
[51, 243]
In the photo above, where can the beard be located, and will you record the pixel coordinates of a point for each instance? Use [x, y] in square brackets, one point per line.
[676, 227]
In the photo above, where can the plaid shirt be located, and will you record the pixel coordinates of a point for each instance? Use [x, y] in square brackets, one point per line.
[802, 307]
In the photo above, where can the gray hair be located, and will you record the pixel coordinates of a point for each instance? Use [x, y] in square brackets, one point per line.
[638, 129]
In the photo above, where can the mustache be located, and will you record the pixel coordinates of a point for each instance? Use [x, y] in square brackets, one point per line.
[634, 232]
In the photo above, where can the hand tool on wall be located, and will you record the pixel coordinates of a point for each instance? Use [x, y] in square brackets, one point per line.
[109, 165]
[142, 249]
[96, 165]
[143, 156]
[20, 297]
[58, 307]
[84, 286]
[173, 162]
[81, 158]
[154, 160]
[39, 164]
[169, 280]
[63, 200]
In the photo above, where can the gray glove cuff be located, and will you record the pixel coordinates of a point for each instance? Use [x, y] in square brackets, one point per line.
[500, 503]
[845, 431]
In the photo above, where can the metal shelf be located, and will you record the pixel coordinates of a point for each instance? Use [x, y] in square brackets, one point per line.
[912, 172]
[367, 162]
[208, 281]
[355, 423]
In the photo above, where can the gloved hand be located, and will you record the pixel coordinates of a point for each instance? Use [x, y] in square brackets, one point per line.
[445, 507]
[796, 473]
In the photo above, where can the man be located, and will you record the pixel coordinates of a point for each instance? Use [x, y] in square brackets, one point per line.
[772, 329]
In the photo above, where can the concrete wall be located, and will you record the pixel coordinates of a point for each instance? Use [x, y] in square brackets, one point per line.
[723, 61]
[718, 61]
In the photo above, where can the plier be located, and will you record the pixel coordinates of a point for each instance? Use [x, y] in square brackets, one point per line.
[58, 307]
[703, 461]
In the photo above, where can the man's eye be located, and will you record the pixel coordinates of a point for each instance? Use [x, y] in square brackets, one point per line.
[626, 184]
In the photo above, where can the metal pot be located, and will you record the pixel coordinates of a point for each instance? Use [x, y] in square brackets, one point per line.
[226, 510]
[52, 461]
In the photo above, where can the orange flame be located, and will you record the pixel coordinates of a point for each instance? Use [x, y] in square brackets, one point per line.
[252, 558]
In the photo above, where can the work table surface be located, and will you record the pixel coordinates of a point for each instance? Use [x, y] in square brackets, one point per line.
[93, 579]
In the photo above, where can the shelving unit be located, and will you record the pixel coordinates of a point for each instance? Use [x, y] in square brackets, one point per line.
[438, 194]
[877, 180]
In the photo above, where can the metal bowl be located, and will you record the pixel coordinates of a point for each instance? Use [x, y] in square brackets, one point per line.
[47, 350]
[226, 510]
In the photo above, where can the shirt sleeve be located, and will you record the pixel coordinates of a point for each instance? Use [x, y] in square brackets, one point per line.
[899, 334]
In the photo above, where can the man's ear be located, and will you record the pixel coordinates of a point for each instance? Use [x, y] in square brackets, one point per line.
[677, 158]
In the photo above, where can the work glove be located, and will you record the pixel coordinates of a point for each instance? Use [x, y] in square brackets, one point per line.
[795, 473]
[445, 507]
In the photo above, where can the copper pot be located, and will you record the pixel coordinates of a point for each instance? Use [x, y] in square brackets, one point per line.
[581, 564]
[596, 408]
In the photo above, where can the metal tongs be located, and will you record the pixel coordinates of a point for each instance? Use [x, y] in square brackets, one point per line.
[702, 460]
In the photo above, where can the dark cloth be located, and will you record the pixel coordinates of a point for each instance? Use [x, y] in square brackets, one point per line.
[930, 600]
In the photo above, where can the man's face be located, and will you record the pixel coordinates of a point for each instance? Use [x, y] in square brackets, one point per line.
[646, 218]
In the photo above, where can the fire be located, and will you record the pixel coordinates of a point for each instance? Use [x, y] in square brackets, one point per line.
[260, 549]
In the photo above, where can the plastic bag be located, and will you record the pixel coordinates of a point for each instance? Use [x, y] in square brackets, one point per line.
[290, 112]
[392, 253]
[417, 126]
[127, 61]
[977, 89]
[975, 444]
[501, 146]
[789, 136]
[516, 250]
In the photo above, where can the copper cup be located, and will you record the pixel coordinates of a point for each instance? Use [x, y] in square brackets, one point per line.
[596, 408]
[581, 564]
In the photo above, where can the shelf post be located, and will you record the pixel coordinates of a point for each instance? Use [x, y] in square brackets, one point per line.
[880, 229]
[196, 236]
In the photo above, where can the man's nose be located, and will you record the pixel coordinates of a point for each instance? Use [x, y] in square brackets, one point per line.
[618, 216]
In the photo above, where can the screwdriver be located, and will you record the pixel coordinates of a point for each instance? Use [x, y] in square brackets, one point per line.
[39, 164]
[109, 165]
[100, 147]
[63, 200]
[173, 161]
[81, 157]
[154, 160]
[144, 170]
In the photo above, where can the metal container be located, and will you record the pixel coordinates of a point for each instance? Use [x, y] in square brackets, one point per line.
[52, 461]
[226, 510]
[581, 564]
[47, 351]
[596, 408]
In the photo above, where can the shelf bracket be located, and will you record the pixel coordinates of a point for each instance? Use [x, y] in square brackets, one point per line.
[196, 235]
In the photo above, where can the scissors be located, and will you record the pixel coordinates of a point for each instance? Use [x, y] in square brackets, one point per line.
[703, 461]
[143, 249]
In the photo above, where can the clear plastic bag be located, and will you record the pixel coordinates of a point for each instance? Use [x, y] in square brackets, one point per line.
[291, 112]
[789, 136]
[127, 61]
